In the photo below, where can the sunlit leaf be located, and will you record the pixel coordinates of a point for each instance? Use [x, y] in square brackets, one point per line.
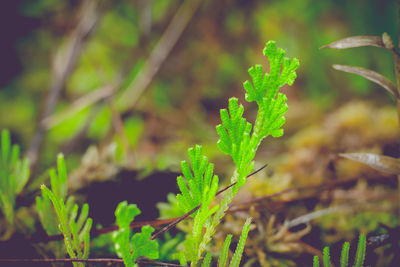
[370, 75]
[377, 162]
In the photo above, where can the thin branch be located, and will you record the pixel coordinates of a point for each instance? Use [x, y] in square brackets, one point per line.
[234, 207]
[168, 222]
[169, 226]
[320, 187]
[94, 260]
[164, 46]
[78, 105]
[141, 81]
[304, 219]
[63, 64]
[174, 223]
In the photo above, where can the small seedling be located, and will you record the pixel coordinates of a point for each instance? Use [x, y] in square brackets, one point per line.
[129, 247]
[76, 230]
[14, 173]
[240, 140]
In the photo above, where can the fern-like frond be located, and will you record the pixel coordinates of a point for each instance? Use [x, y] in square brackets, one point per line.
[14, 174]
[326, 257]
[344, 258]
[240, 246]
[207, 260]
[315, 261]
[140, 244]
[266, 85]
[264, 90]
[74, 234]
[223, 257]
[360, 254]
[198, 185]
[64, 215]
[239, 139]
[234, 132]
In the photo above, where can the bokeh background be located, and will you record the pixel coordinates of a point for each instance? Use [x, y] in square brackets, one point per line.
[124, 87]
[207, 64]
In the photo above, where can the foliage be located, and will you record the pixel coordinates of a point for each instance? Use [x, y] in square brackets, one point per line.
[76, 230]
[14, 173]
[115, 53]
[344, 259]
[201, 185]
[129, 246]
[235, 261]
[240, 140]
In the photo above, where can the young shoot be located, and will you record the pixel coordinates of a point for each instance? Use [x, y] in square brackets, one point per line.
[239, 139]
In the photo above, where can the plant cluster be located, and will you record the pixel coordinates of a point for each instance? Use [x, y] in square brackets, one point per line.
[76, 230]
[198, 184]
[344, 258]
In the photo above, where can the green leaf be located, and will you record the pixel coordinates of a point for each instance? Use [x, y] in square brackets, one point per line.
[234, 131]
[327, 257]
[198, 185]
[239, 139]
[223, 257]
[143, 246]
[125, 214]
[14, 174]
[264, 89]
[140, 244]
[207, 260]
[46, 215]
[360, 254]
[344, 258]
[315, 261]
[75, 237]
[240, 246]
[5, 146]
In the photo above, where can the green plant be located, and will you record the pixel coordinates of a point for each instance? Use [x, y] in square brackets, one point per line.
[14, 173]
[129, 247]
[344, 259]
[76, 230]
[239, 139]
[198, 184]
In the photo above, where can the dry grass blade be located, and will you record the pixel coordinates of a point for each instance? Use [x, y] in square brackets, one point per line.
[356, 41]
[377, 162]
[370, 75]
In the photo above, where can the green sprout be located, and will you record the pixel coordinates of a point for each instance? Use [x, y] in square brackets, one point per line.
[130, 247]
[76, 230]
[344, 258]
[14, 174]
[239, 139]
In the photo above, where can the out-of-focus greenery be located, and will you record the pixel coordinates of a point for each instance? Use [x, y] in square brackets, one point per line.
[207, 64]
[329, 112]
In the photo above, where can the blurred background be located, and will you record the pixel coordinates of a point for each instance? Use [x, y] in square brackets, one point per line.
[124, 87]
[79, 48]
